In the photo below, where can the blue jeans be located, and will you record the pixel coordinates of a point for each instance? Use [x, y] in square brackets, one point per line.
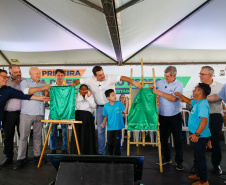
[53, 137]
[101, 131]
[200, 157]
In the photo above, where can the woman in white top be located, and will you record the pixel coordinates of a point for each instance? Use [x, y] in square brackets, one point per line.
[84, 103]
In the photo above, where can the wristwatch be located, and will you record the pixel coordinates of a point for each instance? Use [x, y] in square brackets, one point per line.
[197, 134]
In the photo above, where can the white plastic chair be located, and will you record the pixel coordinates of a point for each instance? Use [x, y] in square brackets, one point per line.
[123, 130]
[16, 137]
[153, 137]
[185, 125]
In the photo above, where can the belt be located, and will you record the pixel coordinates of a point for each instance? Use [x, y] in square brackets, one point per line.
[18, 111]
[100, 105]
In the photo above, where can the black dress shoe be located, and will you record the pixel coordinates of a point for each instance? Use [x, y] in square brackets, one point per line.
[19, 164]
[194, 169]
[36, 158]
[6, 162]
[218, 170]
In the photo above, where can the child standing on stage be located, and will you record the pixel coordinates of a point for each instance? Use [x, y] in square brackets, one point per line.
[113, 116]
[198, 125]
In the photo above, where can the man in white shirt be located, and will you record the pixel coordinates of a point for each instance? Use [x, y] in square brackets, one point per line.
[99, 83]
[215, 119]
[59, 74]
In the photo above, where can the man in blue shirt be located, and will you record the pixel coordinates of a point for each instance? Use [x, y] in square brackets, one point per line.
[113, 112]
[170, 115]
[198, 125]
[217, 97]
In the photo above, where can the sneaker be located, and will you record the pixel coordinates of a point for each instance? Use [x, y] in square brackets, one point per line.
[218, 170]
[199, 183]
[164, 162]
[179, 166]
[194, 177]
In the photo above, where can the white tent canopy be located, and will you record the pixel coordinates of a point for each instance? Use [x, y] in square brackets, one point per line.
[80, 32]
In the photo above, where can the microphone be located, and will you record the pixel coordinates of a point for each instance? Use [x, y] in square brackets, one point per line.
[99, 85]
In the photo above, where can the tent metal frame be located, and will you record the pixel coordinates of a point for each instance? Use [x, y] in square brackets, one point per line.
[143, 142]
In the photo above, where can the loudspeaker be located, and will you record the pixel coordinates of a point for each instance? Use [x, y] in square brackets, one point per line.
[97, 169]
[95, 174]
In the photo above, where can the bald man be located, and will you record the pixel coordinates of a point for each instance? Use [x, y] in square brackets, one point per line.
[32, 112]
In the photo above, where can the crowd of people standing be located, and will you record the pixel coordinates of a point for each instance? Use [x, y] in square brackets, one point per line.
[98, 91]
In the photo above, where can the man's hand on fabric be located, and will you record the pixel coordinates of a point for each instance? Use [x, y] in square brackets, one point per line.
[155, 91]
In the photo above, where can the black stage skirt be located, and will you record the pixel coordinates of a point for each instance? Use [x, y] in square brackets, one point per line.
[85, 133]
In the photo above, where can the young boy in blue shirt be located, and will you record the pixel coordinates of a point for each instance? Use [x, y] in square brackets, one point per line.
[113, 116]
[198, 125]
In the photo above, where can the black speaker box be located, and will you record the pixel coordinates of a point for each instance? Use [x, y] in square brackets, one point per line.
[95, 174]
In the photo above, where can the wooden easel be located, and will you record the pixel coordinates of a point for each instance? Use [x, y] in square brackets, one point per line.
[143, 142]
[50, 127]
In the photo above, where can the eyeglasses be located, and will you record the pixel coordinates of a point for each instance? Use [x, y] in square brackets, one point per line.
[3, 76]
[202, 74]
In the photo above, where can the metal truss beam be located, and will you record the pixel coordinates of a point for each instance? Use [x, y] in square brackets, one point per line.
[110, 14]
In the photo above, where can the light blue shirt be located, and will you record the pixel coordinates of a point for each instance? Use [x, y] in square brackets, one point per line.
[166, 107]
[222, 93]
[200, 109]
[114, 113]
[32, 107]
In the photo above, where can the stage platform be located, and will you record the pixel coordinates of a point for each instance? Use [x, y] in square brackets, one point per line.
[31, 175]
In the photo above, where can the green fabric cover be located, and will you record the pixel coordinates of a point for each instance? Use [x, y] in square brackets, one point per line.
[62, 104]
[143, 114]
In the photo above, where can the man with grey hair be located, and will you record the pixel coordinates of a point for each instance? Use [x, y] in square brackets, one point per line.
[11, 115]
[215, 118]
[32, 112]
[170, 115]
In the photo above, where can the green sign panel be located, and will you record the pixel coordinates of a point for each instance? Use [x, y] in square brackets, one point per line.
[122, 87]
